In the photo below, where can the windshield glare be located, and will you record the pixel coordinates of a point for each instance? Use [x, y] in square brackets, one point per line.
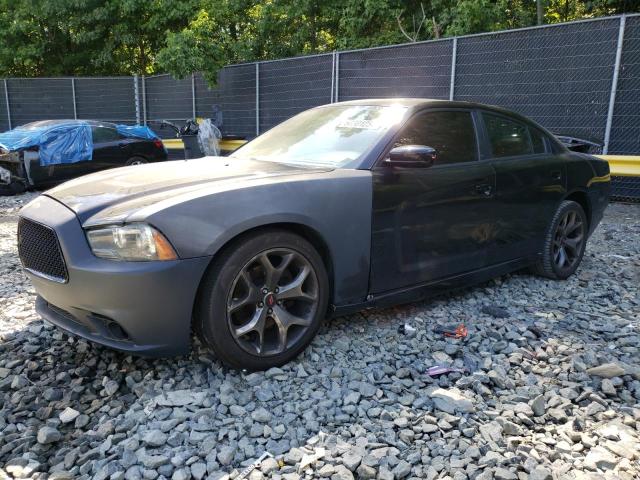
[332, 136]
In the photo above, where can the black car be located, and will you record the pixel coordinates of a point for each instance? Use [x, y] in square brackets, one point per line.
[342, 207]
[106, 145]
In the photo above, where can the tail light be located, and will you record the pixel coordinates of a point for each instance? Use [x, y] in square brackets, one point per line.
[158, 143]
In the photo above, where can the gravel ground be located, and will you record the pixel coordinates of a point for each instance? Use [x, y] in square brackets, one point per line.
[551, 388]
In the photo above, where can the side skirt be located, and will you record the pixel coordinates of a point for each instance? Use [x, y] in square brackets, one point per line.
[426, 290]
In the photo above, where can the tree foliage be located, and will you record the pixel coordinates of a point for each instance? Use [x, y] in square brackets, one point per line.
[118, 37]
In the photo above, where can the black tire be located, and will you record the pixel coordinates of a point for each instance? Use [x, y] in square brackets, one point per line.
[14, 188]
[215, 313]
[136, 161]
[557, 241]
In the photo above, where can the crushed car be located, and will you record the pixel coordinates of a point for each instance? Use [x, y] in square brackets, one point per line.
[45, 153]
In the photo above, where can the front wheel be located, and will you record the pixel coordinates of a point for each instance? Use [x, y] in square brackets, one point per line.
[263, 300]
[564, 243]
[135, 161]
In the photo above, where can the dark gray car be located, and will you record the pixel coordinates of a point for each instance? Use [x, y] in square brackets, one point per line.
[343, 207]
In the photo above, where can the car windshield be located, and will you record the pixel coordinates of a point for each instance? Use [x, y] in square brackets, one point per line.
[331, 136]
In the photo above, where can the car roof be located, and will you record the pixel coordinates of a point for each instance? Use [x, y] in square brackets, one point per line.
[418, 103]
[53, 123]
[422, 102]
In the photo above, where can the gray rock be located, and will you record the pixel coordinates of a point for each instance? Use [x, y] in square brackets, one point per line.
[539, 406]
[540, 473]
[225, 455]
[261, 415]
[154, 438]
[451, 400]
[607, 370]
[48, 435]
[68, 415]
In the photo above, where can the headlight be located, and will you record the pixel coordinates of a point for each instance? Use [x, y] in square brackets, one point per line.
[136, 242]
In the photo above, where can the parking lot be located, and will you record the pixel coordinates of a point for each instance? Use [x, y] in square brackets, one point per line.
[549, 387]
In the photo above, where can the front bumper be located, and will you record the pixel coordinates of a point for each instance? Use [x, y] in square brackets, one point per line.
[138, 307]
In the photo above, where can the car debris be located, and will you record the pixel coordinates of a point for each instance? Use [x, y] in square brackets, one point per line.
[250, 468]
[457, 332]
[438, 370]
[407, 330]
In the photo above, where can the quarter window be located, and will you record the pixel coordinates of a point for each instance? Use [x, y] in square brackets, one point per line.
[509, 138]
[451, 133]
[104, 134]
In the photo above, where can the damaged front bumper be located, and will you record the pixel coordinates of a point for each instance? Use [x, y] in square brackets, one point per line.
[13, 169]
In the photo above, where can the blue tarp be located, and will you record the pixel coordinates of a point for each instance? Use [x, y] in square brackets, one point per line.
[64, 142]
[137, 131]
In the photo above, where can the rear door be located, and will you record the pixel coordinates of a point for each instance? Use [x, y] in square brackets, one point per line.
[110, 149]
[530, 182]
[436, 222]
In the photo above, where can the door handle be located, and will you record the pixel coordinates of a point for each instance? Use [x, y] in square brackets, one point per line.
[556, 174]
[484, 189]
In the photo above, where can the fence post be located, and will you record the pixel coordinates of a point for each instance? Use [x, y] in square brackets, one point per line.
[614, 86]
[144, 101]
[6, 100]
[333, 72]
[193, 94]
[337, 75]
[136, 97]
[73, 95]
[257, 99]
[454, 56]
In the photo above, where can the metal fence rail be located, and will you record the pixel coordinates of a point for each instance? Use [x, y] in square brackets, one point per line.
[580, 79]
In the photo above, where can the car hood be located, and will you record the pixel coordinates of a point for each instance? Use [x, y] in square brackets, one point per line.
[114, 194]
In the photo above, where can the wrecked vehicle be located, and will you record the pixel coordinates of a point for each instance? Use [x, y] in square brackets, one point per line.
[343, 207]
[45, 153]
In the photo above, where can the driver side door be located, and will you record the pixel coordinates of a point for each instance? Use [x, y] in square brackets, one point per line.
[433, 222]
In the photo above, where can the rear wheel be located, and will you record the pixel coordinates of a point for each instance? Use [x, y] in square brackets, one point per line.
[136, 161]
[564, 242]
[262, 300]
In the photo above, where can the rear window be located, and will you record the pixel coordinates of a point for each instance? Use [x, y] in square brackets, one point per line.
[508, 138]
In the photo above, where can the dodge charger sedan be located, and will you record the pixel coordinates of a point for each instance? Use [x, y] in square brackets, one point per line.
[342, 207]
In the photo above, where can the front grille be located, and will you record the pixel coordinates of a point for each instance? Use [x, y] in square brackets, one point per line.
[39, 250]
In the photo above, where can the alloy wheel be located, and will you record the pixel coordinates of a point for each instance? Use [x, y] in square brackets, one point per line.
[272, 301]
[568, 240]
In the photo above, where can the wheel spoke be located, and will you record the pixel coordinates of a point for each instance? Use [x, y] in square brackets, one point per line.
[562, 257]
[282, 267]
[573, 244]
[255, 324]
[284, 320]
[293, 290]
[269, 270]
[251, 296]
[573, 227]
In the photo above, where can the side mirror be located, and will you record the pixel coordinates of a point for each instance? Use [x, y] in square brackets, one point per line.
[412, 156]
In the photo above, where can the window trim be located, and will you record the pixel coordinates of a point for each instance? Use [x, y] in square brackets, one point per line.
[487, 150]
[379, 163]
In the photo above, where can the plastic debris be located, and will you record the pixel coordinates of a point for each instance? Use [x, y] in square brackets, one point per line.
[437, 370]
[245, 473]
[208, 138]
[460, 331]
[407, 330]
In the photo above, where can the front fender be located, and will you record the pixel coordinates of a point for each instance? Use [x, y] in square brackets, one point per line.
[335, 204]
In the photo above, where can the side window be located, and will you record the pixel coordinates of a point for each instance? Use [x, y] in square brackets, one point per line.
[507, 137]
[537, 139]
[104, 134]
[451, 133]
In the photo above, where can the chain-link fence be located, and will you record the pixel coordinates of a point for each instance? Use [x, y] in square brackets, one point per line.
[579, 79]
